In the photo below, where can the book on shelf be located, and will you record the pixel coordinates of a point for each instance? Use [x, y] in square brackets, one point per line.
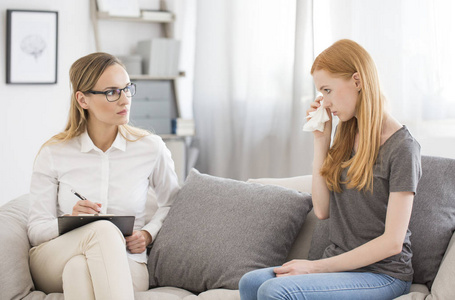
[157, 15]
[183, 127]
[160, 57]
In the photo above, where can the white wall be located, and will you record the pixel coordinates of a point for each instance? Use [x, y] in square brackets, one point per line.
[33, 113]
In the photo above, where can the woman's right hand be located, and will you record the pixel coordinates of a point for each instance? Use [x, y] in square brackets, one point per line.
[327, 126]
[320, 192]
[86, 207]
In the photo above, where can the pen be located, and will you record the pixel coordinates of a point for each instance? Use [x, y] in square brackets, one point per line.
[78, 195]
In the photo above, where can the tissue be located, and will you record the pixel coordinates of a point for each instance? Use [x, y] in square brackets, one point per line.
[317, 120]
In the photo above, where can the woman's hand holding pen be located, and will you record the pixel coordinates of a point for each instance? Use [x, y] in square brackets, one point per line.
[86, 207]
[138, 241]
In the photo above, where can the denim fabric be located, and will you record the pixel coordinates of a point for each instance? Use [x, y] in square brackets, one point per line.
[263, 285]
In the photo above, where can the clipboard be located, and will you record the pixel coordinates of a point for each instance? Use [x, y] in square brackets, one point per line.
[68, 223]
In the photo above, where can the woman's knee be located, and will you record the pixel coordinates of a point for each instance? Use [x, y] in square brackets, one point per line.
[255, 278]
[272, 289]
[105, 229]
[246, 281]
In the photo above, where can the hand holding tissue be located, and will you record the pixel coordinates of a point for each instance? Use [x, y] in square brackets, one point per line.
[317, 120]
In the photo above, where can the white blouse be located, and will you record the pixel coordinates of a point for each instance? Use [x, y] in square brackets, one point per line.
[118, 179]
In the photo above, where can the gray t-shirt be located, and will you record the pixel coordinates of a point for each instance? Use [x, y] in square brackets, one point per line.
[357, 217]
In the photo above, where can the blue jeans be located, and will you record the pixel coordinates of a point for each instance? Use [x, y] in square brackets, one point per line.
[264, 285]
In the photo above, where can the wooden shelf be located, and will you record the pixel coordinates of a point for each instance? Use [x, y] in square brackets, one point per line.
[105, 16]
[148, 77]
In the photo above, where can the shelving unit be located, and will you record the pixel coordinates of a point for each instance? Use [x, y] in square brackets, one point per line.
[96, 16]
[105, 16]
[153, 92]
[100, 15]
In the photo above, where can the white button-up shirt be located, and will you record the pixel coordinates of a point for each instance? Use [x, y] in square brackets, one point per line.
[118, 179]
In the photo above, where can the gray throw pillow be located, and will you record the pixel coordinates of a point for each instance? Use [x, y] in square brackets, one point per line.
[219, 229]
[432, 221]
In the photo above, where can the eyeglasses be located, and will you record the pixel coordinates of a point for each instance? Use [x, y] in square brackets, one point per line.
[114, 95]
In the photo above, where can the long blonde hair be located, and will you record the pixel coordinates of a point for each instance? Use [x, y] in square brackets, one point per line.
[343, 59]
[84, 74]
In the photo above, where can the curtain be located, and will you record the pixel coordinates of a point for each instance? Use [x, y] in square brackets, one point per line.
[251, 87]
[412, 44]
[184, 29]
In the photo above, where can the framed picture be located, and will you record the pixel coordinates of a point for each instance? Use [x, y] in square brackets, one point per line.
[31, 47]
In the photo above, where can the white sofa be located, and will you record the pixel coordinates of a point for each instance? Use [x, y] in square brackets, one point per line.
[16, 281]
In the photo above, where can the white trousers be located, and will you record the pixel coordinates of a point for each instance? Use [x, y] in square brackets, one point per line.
[89, 262]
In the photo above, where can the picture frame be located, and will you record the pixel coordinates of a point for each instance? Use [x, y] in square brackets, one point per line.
[31, 47]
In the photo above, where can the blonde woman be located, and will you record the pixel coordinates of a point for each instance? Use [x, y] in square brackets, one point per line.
[364, 183]
[112, 165]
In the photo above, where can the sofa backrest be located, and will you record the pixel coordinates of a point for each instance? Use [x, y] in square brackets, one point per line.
[301, 247]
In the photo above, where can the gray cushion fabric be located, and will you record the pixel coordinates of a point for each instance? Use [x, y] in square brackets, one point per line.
[15, 278]
[433, 217]
[432, 222]
[218, 229]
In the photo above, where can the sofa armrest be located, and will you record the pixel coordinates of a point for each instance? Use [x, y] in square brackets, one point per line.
[298, 183]
[443, 287]
[15, 278]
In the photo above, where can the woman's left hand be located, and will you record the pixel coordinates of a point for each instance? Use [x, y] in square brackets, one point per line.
[298, 267]
[138, 241]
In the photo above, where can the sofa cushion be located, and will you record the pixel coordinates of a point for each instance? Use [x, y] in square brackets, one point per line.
[15, 278]
[432, 221]
[298, 183]
[218, 229]
[163, 293]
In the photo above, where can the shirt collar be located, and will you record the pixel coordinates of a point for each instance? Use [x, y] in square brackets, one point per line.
[119, 142]
[87, 143]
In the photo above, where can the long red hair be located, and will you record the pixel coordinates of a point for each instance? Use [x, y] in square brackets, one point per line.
[343, 59]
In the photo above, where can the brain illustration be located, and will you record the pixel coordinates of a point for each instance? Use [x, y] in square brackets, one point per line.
[33, 45]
